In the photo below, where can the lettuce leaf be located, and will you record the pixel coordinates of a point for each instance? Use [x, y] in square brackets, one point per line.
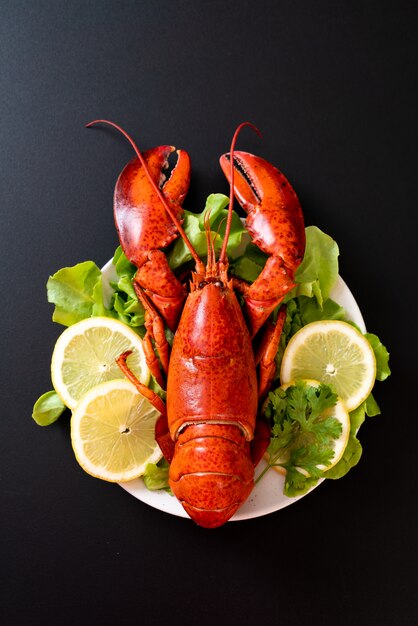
[353, 451]
[156, 476]
[48, 408]
[382, 356]
[249, 265]
[371, 407]
[317, 273]
[194, 228]
[349, 459]
[123, 267]
[76, 292]
[124, 302]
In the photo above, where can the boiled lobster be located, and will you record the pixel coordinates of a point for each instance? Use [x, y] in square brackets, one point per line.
[208, 429]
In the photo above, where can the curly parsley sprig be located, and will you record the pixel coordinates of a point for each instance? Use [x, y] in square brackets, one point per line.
[303, 434]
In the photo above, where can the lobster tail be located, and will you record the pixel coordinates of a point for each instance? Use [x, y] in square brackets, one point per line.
[211, 473]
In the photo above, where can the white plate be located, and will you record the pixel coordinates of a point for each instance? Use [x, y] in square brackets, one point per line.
[267, 496]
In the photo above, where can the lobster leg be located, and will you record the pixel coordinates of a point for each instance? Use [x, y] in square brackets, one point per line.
[275, 223]
[155, 277]
[152, 360]
[267, 353]
[261, 440]
[265, 357]
[145, 391]
[162, 434]
[163, 438]
[155, 330]
[268, 346]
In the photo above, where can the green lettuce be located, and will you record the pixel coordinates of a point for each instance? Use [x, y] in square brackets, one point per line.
[194, 228]
[382, 356]
[250, 264]
[350, 458]
[123, 267]
[317, 273]
[353, 451]
[156, 476]
[77, 293]
[312, 311]
[124, 302]
[48, 408]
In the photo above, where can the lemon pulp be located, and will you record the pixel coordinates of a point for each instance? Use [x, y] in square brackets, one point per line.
[85, 356]
[112, 432]
[334, 353]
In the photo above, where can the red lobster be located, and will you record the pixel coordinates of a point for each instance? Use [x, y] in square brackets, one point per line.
[208, 430]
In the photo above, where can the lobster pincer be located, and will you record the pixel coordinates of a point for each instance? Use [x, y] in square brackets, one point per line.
[275, 223]
[145, 228]
[148, 217]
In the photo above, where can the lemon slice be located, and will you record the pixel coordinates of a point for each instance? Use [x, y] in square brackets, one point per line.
[112, 432]
[340, 413]
[335, 353]
[85, 356]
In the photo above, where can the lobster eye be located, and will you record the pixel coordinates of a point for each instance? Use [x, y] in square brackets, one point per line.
[219, 283]
[202, 284]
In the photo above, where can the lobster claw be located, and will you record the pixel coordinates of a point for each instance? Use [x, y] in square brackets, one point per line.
[275, 223]
[141, 218]
[144, 226]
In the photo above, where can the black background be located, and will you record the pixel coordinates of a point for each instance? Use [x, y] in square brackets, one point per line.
[330, 84]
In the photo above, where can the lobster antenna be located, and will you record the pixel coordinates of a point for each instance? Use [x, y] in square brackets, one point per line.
[154, 185]
[209, 242]
[217, 233]
[222, 255]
